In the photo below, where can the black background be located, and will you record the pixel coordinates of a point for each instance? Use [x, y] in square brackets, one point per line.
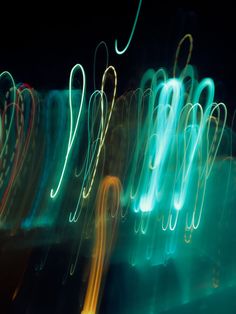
[40, 44]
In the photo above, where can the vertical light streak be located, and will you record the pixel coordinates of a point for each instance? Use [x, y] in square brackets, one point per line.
[102, 43]
[22, 140]
[92, 162]
[13, 92]
[104, 125]
[195, 140]
[89, 163]
[172, 123]
[51, 147]
[103, 240]
[73, 130]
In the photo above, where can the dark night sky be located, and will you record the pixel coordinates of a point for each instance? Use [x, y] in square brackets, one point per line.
[40, 45]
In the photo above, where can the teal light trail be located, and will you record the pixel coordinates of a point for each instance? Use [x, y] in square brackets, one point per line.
[177, 138]
[120, 52]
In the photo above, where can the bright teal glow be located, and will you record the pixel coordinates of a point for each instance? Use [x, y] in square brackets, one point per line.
[145, 204]
[173, 152]
[178, 204]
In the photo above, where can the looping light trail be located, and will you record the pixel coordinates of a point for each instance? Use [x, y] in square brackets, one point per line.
[73, 129]
[174, 123]
[104, 124]
[95, 146]
[190, 38]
